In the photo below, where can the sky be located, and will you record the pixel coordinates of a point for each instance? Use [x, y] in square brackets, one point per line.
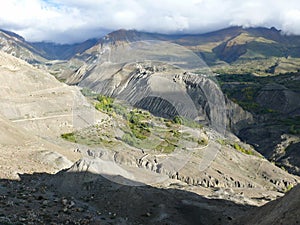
[69, 21]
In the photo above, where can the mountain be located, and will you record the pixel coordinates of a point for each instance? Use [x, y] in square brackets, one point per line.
[170, 175]
[159, 87]
[40, 52]
[273, 103]
[259, 51]
[53, 51]
[17, 46]
[104, 68]
[143, 131]
[35, 110]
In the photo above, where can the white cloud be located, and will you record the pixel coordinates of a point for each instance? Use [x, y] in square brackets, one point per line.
[291, 21]
[77, 20]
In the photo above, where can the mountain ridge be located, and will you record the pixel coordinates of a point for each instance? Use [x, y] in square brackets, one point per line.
[172, 161]
[233, 49]
[206, 45]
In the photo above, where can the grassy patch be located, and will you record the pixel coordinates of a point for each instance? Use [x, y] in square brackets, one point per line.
[104, 104]
[138, 128]
[236, 146]
[186, 122]
[69, 137]
[239, 148]
[165, 147]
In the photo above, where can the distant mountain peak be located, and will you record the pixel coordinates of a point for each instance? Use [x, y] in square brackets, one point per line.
[12, 34]
[123, 35]
[229, 45]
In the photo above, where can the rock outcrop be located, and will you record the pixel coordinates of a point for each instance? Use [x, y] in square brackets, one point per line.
[166, 91]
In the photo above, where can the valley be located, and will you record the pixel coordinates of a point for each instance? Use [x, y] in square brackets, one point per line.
[145, 128]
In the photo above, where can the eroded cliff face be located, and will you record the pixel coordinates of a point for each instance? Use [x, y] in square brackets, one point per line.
[167, 91]
[229, 168]
[238, 118]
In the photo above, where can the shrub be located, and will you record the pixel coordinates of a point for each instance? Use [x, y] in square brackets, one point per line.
[168, 124]
[241, 149]
[187, 122]
[104, 104]
[120, 110]
[138, 124]
[177, 120]
[222, 141]
[69, 137]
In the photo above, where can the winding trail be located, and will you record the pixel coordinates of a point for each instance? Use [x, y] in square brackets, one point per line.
[41, 118]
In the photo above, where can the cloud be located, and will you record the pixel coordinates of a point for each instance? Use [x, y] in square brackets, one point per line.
[78, 20]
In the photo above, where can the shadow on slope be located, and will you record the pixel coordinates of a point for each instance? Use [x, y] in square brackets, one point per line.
[86, 198]
[284, 210]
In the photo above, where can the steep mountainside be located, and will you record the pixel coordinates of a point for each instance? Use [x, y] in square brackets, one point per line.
[160, 78]
[36, 109]
[16, 45]
[274, 104]
[108, 68]
[54, 51]
[282, 211]
[40, 52]
[259, 51]
[233, 50]
[37, 96]
[168, 91]
[125, 165]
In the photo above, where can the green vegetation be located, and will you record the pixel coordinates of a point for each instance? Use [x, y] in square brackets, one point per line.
[289, 187]
[243, 90]
[246, 87]
[91, 136]
[130, 139]
[271, 118]
[141, 134]
[140, 128]
[120, 110]
[69, 137]
[110, 106]
[178, 120]
[104, 104]
[165, 147]
[138, 123]
[236, 146]
[239, 148]
[294, 130]
[88, 92]
[186, 122]
[222, 142]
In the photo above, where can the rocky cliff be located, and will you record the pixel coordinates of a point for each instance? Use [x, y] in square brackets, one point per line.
[166, 91]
